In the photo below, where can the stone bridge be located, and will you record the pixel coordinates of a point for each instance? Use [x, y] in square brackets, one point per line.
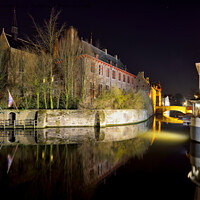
[183, 109]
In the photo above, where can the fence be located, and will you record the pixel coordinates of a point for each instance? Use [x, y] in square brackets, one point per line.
[27, 123]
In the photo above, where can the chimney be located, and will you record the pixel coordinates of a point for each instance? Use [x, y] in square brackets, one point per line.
[116, 57]
[106, 51]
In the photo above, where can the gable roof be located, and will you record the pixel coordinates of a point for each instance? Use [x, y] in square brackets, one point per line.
[102, 55]
[16, 44]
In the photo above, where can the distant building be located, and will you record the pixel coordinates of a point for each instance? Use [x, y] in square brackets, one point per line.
[154, 90]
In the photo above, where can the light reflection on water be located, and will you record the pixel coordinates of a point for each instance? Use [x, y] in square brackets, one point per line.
[71, 162]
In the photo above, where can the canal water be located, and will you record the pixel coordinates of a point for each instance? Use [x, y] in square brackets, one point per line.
[150, 160]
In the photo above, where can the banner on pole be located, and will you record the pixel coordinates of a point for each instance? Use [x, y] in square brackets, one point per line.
[10, 100]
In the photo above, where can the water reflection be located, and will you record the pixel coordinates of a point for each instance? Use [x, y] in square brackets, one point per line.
[68, 162]
[73, 135]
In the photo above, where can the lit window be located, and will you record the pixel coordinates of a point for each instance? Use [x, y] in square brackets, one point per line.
[113, 74]
[100, 70]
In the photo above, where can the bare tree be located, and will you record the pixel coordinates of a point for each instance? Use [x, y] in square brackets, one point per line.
[46, 36]
[69, 48]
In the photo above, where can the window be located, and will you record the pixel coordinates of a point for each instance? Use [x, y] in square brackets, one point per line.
[107, 72]
[92, 67]
[92, 89]
[99, 169]
[113, 74]
[128, 79]
[21, 66]
[124, 78]
[100, 88]
[100, 70]
[132, 81]
[119, 76]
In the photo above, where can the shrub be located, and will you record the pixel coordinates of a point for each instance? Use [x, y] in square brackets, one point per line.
[117, 99]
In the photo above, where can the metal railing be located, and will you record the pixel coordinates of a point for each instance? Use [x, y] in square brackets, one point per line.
[18, 123]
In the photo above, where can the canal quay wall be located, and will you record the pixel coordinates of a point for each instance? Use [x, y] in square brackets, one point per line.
[77, 118]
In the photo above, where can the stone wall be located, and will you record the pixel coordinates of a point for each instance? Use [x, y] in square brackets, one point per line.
[80, 118]
[102, 118]
[19, 115]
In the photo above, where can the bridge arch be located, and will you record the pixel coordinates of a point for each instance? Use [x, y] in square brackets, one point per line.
[163, 109]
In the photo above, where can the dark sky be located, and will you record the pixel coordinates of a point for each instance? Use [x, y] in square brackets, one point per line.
[161, 38]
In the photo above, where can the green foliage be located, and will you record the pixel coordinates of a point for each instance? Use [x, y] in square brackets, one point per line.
[73, 102]
[117, 99]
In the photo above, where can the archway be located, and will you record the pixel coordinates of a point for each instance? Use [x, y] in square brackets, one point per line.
[12, 118]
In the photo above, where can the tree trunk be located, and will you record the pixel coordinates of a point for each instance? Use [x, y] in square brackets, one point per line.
[38, 99]
[45, 98]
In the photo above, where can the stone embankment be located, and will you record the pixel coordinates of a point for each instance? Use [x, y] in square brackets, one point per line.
[78, 118]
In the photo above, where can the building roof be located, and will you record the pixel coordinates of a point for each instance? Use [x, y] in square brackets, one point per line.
[103, 55]
[16, 44]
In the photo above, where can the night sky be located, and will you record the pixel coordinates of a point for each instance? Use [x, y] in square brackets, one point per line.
[161, 38]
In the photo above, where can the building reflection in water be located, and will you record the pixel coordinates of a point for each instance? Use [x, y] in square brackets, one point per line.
[67, 162]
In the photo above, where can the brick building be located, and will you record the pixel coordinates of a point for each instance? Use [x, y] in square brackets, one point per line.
[103, 71]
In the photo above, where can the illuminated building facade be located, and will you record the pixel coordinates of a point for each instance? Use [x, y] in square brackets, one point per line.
[154, 90]
[104, 71]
